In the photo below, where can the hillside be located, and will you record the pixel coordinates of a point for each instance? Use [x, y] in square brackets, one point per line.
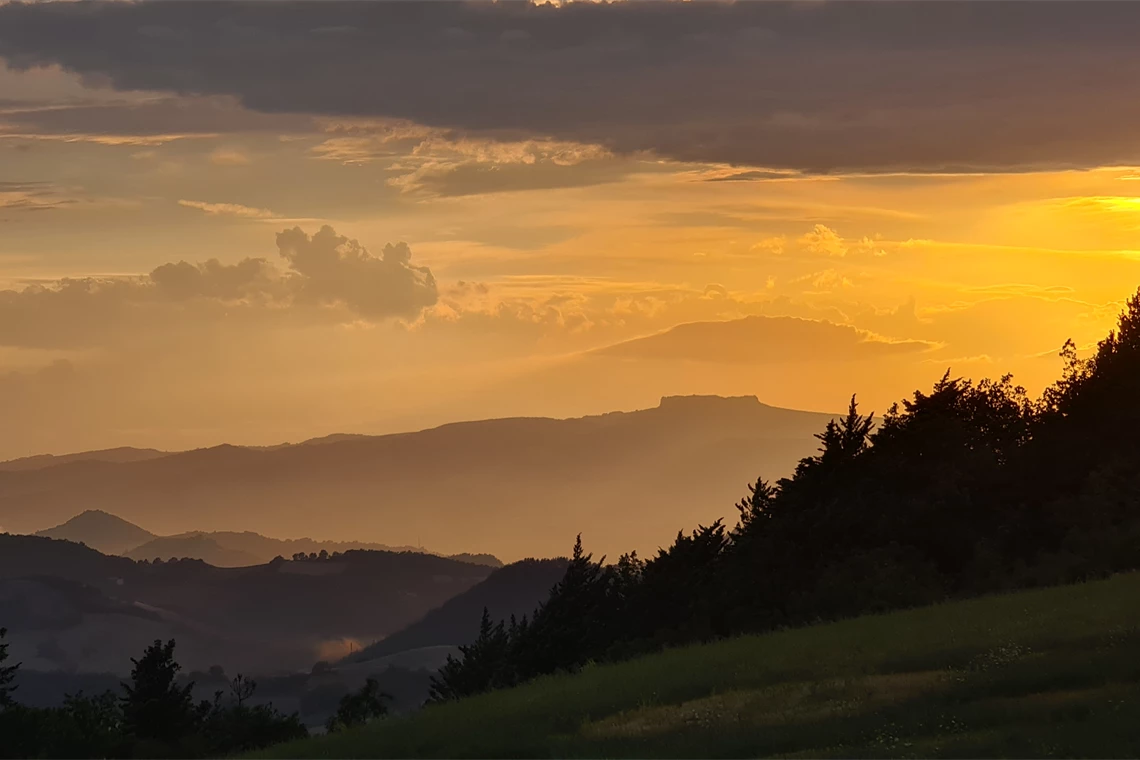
[102, 531]
[201, 546]
[1034, 674]
[516, 589]
[119, 455]
[624, 479]
[282, 615]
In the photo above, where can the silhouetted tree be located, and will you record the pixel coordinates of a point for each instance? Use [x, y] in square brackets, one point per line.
[154, 718]
[7, 672]
[360, 707]
[480, 665]
[89, 727]
[154, 706]
[756, 505]
[968, 488]
[242, 688]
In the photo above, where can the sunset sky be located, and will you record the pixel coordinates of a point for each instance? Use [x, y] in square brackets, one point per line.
[259, 222]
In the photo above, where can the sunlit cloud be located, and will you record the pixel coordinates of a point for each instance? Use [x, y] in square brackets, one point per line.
[229, 209]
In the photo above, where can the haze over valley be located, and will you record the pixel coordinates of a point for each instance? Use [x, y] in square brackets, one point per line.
[512, 488]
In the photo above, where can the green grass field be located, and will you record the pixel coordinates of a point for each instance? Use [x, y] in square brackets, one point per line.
[1034, 674]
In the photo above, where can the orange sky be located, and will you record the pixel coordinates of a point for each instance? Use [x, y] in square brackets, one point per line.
[539, 241]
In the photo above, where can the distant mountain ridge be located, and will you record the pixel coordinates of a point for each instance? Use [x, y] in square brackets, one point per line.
[110, 534]
[119, 455]
[124, 454]
[511, 487]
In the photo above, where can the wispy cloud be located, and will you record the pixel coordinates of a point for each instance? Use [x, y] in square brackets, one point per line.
[229, 209]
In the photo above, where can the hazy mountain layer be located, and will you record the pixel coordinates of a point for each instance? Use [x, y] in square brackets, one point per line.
[101, 531]
[109, 534]
[510, 487]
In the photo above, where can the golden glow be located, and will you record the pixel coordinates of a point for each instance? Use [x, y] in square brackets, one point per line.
[542, 252]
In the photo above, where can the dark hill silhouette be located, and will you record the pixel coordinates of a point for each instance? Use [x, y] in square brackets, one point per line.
[273, 615]
[516, 589]
[201, 546]
[624, 479]
[101, 531]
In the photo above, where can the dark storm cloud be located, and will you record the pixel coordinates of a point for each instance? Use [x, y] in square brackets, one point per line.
[806, 86]
[157, 116]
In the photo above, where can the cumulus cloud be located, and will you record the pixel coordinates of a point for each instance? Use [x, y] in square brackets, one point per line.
[326, 271]
[249, 279]
[333, 269]
[765, 340]
[819, 87]
[824, 241]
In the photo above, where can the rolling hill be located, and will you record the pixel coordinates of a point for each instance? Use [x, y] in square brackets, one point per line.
[621, 479]
[1048, 673]
[99, 610]
[516, 589]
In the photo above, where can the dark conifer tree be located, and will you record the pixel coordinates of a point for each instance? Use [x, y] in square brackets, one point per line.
[7, 672]
[154, 706]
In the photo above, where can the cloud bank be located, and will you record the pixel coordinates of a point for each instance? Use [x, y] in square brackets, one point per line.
[819, 87]
[324, 271]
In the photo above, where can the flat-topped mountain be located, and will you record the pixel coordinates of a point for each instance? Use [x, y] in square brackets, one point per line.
[510, 487]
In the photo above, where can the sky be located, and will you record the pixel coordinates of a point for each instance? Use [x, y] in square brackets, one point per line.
[261, 222]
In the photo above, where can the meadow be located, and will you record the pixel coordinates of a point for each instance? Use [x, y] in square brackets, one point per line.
[1044, 673]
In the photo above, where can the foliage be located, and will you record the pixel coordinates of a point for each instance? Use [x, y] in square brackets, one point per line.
[154, 717]
[967, 489]
[362, 706]
[7, 672]
[154, 707]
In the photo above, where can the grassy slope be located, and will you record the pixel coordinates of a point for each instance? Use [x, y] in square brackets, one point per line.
[1042, 673]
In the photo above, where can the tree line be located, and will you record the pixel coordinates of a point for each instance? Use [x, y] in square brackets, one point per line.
[970, 488]
[156, 716]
